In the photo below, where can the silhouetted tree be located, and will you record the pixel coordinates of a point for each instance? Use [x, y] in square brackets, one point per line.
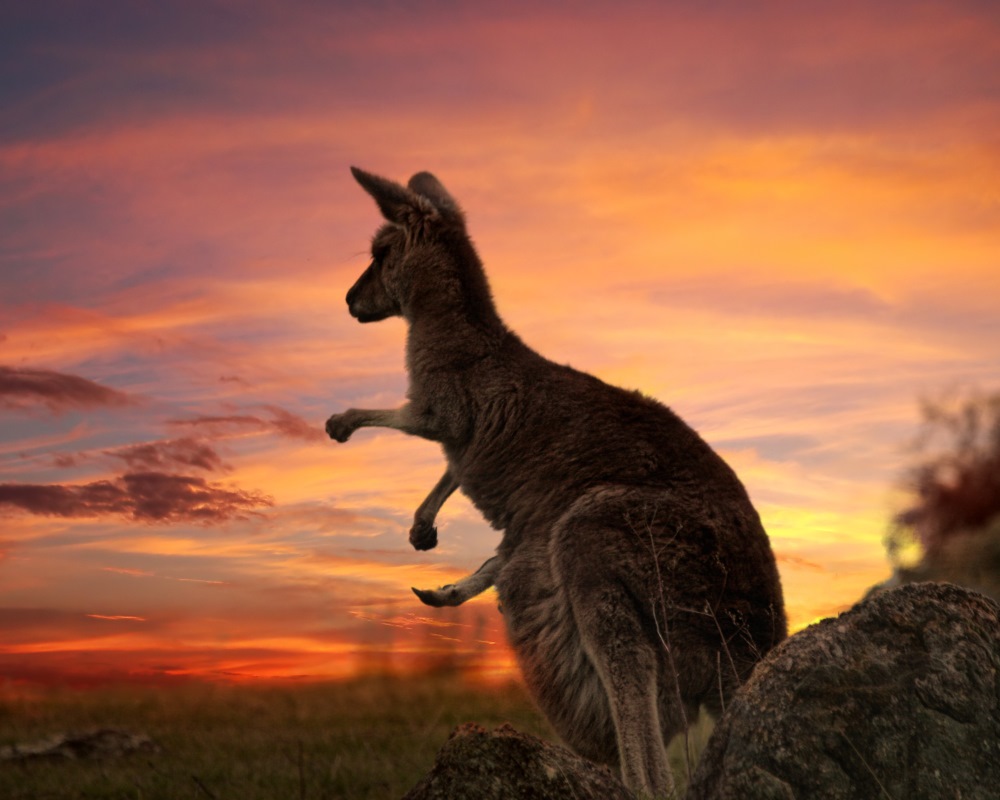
[955, 486]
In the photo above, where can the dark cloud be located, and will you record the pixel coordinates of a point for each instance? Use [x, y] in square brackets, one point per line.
[198, 452]
[67, 460]
[282, 422]
[22, 388]
[186, 452]
[142, 496]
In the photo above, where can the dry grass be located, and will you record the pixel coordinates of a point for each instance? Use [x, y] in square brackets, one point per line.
[363, 739]
[371, 738]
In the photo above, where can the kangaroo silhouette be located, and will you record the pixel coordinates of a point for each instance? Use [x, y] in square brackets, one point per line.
[636, 580]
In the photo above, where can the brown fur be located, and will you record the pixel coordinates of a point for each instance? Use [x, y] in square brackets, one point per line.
[636, 579]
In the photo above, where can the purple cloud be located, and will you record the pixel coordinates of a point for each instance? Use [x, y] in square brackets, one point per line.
[186, 452]
[282, 422]
[141, 496]
[22, 388]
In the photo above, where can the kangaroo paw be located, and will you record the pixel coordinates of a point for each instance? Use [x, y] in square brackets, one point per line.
[339, 427]
[423, 535]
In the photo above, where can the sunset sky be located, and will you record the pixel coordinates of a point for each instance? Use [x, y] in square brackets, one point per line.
[781, 219]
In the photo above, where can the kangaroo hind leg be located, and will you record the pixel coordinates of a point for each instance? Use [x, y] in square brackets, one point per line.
[454, 594]
[622, 650]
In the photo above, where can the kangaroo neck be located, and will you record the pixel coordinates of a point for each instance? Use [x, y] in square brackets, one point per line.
[448, 339]
[453, 321]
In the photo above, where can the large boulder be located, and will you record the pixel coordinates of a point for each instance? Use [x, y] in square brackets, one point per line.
[898, 697]
[505, 764]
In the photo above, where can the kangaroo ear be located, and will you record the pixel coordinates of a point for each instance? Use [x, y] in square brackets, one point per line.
[423, 183]
[397, 203]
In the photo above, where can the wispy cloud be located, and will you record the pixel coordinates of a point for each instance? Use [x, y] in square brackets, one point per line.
[281, 421]
[141, 496]
[187, 452]
[141, 573]
[22, 388]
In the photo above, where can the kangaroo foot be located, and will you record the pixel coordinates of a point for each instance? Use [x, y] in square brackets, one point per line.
[443, 596]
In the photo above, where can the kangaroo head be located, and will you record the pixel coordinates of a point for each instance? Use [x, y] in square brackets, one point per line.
[410, 250]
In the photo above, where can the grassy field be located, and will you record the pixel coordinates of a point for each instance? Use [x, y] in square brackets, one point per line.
[372, 738]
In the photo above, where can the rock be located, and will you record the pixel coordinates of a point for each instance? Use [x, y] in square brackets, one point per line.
[505, 764]
[897, 698]
[102, 743]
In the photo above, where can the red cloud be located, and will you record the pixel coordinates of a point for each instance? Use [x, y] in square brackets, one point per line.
[140, 496]
[20, 388]
[282, 422]
[186, 452]
[288, 424]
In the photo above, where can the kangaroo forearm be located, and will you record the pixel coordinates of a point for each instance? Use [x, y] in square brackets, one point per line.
[423, 534]
[341, 426]
[429, 509]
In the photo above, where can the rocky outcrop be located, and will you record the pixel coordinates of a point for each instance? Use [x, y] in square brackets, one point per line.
[505, 764]
[897, 698]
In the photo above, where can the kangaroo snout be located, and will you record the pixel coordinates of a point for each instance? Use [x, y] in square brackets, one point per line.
[368, 300]
[351, 299]
[354, 296]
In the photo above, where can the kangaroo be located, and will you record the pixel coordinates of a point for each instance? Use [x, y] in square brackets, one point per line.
[636, 580]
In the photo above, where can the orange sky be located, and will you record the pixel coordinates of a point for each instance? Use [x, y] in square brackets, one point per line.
[781, 219]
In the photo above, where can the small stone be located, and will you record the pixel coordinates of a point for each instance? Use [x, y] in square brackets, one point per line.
[505, 764]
